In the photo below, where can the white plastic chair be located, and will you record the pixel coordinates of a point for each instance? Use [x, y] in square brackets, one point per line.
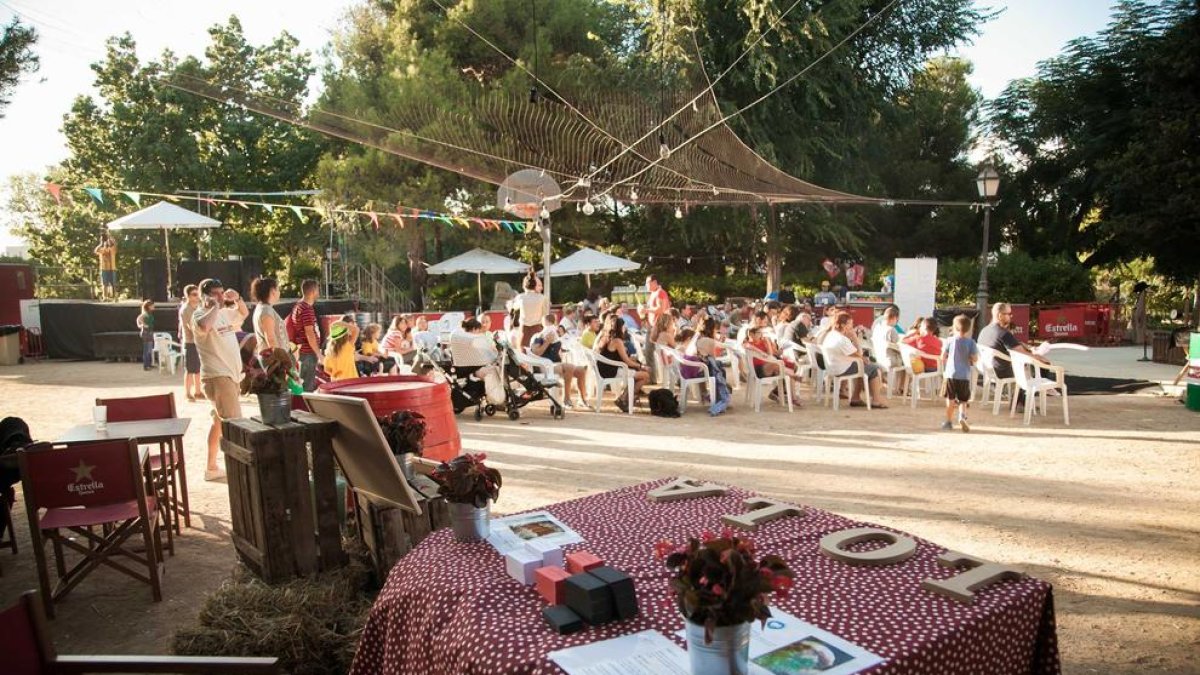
[624, 377]
[993, 385]
[781, 383]
[662, 368]
[833, 383]
[167, 352]
[881, 351]
[730, 359]
[1035, 385]
[915, 379]
[818, 373]
[673, 361]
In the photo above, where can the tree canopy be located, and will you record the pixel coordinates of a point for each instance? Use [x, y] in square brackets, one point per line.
[17, 58]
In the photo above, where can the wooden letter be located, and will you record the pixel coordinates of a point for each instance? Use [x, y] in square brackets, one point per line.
[980, 574]
[765, 510]
[899, 548]
[684, 488]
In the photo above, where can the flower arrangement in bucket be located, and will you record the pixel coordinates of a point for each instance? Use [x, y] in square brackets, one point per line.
[404, 431]
[720, 585]
[469, 486]
[267, 378]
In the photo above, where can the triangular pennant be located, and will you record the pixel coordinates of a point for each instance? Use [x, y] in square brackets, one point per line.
[244, 205]
[506, 226]
[96, 194]
[399, 220]
[446, 220]
[374, 218]
[172, 198]
[464, 222]
[296, 210]
[210, 202]
[56, 191]
[134, 197]
[269, 207]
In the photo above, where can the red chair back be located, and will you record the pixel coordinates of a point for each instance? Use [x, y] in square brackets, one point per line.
[19, 644]
[156, 407]
[83, 474]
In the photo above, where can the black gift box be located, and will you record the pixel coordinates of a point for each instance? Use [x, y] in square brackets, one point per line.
[589, 597]
[562, 619]
[624, 599]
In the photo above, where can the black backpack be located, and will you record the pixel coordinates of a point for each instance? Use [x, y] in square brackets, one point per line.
[663, 403]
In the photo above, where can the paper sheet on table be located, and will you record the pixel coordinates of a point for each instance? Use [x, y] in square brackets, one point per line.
[513, 531]
[644, 653]
[789, 646]
[1045, 347]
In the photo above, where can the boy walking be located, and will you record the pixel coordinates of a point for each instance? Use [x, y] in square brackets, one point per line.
[959, 353]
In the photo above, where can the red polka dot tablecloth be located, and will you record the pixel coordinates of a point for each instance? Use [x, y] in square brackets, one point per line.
[449, 607]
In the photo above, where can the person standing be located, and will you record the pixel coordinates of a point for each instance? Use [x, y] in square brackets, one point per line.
[269, 328]
[145, 324]
[107, 252]
[216, 327]
[959, 353]
[825, 297]
[306, 332]
[531, 306]
[187, 337]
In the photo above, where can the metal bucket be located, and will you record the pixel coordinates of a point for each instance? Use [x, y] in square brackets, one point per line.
[275, 408]
[469, 522]
[727, 654]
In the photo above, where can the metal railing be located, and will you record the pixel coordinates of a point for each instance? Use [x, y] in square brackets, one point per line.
[370, 284]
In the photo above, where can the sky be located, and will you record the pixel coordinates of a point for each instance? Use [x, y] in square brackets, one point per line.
[73, 32]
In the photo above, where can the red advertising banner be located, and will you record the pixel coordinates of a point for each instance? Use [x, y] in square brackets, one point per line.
[1020, 322]
[1062, 321]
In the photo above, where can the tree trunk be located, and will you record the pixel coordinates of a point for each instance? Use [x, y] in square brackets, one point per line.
[1196, 305]
[416, 262]
[774, 252]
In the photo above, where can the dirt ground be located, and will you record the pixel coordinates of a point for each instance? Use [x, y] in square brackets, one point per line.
[1106, 509]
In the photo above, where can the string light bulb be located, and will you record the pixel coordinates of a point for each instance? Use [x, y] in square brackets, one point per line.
[664, 151]
[588, 208]
[678, 213]
[633, 195]
[715, 191]
[689, 260]
[545, 214]
[578, 207]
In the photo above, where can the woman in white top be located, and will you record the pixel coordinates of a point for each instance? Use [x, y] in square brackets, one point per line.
[531, 306]
[843, 357]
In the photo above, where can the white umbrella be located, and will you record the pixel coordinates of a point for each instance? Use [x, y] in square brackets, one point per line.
[589, 261]
[164, 216]
[480, 262]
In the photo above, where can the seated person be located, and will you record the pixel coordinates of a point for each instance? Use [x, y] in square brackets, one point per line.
[591, 324]
[547, 346]
[572, 320]
[473, 352]
[397, 342]
[845, 358]
[631, 322]
[339, 351]
[423, 338]
[683, 343]
[926, 340]
[373, 360]
[826, 296]
[756, 339]
[611, 345]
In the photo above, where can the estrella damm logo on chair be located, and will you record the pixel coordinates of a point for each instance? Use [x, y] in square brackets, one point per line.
[84, 483]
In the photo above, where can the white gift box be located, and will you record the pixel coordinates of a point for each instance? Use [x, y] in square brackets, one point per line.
[551, 554]
[521, 564]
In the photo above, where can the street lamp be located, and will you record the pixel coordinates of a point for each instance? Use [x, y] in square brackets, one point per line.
[988, 184]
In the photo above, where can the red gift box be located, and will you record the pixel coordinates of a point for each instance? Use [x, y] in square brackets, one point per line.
[582, 561]
[549, 581]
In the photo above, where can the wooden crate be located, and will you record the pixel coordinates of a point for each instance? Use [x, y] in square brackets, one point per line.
[389, 533]
[278, 530]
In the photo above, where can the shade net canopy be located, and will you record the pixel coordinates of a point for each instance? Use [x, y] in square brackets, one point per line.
[163, 216]
[591, 261]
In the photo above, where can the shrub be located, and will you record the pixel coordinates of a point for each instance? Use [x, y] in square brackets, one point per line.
[1016, 277]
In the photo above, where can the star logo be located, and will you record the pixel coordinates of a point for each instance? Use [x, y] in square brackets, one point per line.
[83, 471]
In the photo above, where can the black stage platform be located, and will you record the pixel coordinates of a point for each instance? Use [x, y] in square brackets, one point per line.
[68, 326]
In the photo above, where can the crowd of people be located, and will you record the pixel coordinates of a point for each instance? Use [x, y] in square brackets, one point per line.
[776, 338]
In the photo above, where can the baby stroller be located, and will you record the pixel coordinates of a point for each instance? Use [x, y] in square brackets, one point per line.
[519, 387]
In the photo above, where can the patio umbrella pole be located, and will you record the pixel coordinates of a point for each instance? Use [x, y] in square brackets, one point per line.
[479, 289]
[167, 246]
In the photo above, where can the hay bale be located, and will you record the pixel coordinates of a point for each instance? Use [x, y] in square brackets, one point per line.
[310, 624]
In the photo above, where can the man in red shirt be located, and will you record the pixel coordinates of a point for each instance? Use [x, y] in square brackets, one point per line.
[307, 333]
[657, 303]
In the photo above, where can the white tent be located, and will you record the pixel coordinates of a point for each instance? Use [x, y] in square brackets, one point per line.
[589, 261]
[480, 262]
[164, 216]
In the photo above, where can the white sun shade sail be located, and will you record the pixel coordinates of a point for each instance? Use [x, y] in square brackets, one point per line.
[591, 261]
[479, 261]
[163, 216]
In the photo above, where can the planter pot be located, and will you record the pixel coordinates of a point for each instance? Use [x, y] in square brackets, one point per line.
[470, 523]
[275, 408]
[727, 654]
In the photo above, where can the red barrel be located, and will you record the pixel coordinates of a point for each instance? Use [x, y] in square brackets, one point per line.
[409, 392]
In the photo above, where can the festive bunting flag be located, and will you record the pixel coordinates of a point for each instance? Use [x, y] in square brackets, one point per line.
[506, 225]
[134, 197]
[244, 205]
[464, 222]
[56, 191]
[399, 220]
[299, 214]
[374, 219]
[269, 207]
[96, 194]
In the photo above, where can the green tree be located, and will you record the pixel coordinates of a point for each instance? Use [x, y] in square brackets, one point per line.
[142, 134]
[1106, 144]
[17, 58]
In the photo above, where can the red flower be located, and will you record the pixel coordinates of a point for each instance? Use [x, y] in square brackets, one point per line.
[663, 548]
[718, 589]
[781, 583]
